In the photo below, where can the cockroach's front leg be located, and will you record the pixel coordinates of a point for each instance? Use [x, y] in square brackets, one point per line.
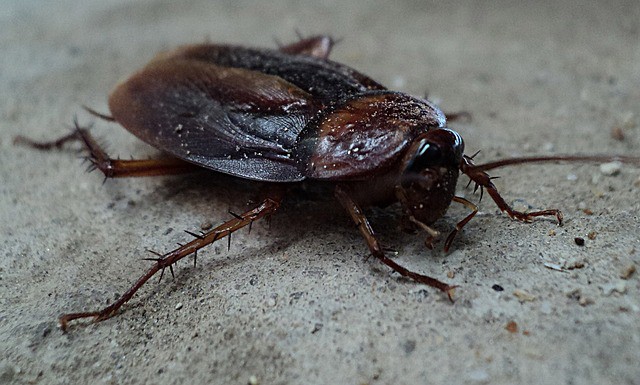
[317, 46]
[163, 261]
[374, 246]
[483, 180]
[113, 168]
[462, 223]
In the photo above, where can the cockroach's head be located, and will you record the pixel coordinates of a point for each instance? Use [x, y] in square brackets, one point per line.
[428, 182]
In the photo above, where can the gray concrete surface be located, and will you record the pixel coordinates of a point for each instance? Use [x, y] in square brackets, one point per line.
[297, 301]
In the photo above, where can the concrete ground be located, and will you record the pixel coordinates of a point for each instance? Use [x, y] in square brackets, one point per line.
[297, 301]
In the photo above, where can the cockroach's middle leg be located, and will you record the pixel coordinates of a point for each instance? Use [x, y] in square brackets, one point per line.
[356, 214]
[113, 168]
[163, 261]
[462, 223]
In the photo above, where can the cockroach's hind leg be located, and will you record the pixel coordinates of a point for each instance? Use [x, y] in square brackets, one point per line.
[316, 46]
[356, 214]
[47, 145]
[483, 180]
[117, 168]
[111, 168]
[167, 260]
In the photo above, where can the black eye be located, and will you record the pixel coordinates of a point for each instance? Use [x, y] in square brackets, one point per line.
[428, 154]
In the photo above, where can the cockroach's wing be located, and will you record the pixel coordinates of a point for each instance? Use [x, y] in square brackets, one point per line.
[326, 80]
[232, 120]
[365, 136]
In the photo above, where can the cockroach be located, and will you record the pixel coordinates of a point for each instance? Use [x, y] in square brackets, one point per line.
[292, 116]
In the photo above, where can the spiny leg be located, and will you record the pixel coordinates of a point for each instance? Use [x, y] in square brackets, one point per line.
[317, 46]
[267, 207]
[483, 180]
[113, 168]
[477, 174]
[361, 221]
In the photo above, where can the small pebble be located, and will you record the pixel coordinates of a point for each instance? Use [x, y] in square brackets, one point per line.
[497, 287]
[579, 241]
[592, 235]
[512, 327]
[523, 296]
[253, 380]
[179, 306]
[584, 301]
[628, 271]
[611, 168]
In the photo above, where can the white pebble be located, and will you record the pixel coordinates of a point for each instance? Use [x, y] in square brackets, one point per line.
[611, 168]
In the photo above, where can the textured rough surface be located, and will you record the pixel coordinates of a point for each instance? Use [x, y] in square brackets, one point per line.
[297, 301]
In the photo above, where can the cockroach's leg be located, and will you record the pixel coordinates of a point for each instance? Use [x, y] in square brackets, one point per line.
[113, 168]
[267, 207]
[58, 143]
[477, 173]
[483, 180]
[462, 223]
[374, 246]
[317, 46]
[432, 234]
